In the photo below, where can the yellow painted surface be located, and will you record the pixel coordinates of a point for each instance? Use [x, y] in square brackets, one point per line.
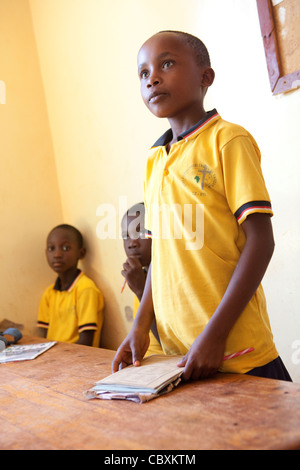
[74, 62]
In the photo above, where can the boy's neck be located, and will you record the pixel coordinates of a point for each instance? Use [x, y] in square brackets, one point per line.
[183, 124]
[67, 278]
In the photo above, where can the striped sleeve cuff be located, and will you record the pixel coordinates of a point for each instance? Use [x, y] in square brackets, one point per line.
[87, 326]
[253, 207]
[148, 234]
[42, 324]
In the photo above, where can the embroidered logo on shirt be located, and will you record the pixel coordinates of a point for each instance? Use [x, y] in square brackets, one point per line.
[198, 178]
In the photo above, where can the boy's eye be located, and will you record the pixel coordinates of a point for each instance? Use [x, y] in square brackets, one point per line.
[50, 248]
[66, 248]
[134, 236]
[167, 64]
[142, 234]
[144, 74]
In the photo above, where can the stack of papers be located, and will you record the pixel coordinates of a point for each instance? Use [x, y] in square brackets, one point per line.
[24, 352]
[155, 376]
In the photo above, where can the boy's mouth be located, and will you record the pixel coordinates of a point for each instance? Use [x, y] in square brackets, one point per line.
[156, 96]
[135, 255]
[57, 264]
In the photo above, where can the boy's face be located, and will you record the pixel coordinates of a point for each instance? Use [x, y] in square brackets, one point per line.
[135, 243]
[173, 85]
[63, 251]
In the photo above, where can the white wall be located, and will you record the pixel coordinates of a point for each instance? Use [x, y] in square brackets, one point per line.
[242, 94]
[101, 129]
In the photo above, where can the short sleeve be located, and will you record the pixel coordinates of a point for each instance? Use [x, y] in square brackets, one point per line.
[245, 187]
[43, 313]
[147, 222]
[89, 308]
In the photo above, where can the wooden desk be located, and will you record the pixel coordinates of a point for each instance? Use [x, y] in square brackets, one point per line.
[42, 407]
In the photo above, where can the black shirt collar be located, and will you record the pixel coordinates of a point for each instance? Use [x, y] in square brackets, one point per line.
[57, 285]
[167, 136]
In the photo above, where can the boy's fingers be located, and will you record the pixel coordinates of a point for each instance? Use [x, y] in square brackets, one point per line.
[186, 374]
[182, 362]
[125, 358]
[136, 358]
[115, 365]
[119, 360]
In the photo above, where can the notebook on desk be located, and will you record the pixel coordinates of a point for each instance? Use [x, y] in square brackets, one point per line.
[157, 374]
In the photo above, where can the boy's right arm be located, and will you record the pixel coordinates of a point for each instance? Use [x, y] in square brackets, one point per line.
[135, 345]
[43, 332]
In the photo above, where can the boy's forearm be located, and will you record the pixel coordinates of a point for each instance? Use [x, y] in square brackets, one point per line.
[138, 290]
[86, 338]
[247, 276]
[145, 314]
[135, 345]
[43, 332]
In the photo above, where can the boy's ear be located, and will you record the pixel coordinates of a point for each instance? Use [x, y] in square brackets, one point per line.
[208, 77]
[82, 253]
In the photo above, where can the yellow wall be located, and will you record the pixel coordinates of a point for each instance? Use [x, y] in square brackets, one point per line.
[29, 196]
[100, 128]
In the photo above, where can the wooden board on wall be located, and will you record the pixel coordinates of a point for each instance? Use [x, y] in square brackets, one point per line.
[279, 24]
[287, 23]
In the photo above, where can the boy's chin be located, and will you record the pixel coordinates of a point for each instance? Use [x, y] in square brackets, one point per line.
[59, 269]
[159, 113]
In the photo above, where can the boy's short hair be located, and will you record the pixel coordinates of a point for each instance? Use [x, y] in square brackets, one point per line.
[199, 48]
[138, 212]
[72, 229]
[135, 211]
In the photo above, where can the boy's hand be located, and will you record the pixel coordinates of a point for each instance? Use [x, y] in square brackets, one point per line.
[134, 275]
[131, 351]
[203, 359]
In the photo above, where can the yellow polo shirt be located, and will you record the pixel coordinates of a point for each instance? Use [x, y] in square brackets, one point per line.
[196, 197]
[66, 313]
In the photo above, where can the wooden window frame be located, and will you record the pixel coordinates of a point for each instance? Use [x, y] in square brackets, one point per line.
[279, 83]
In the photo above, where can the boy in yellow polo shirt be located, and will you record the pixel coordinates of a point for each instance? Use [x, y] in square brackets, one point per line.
[209, 214]
[71, 309]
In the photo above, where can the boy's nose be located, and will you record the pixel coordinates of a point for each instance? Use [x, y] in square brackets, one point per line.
[156, 82]
[153, 80]
[133, 243]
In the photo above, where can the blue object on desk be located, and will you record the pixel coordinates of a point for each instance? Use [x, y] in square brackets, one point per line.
[4, 342]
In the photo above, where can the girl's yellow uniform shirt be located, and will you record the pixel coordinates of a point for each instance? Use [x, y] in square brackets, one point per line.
[66, 313]
[208, 183]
